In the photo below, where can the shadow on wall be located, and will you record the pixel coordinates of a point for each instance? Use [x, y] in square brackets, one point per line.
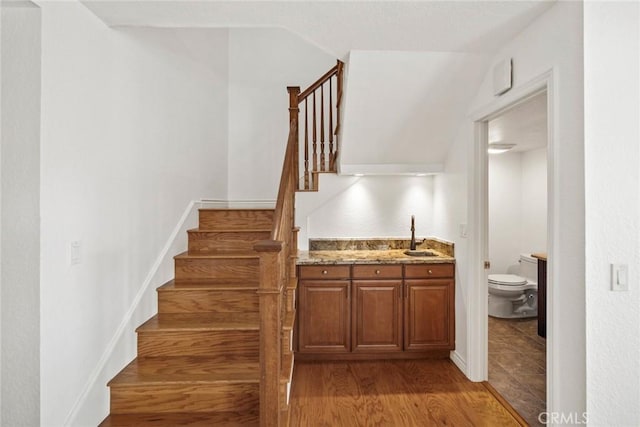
[368, 206]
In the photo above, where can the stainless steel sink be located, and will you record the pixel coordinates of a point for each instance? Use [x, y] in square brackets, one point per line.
[420, 253]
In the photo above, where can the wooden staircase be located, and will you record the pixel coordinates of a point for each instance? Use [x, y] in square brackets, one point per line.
[220, 350]
[198, 358]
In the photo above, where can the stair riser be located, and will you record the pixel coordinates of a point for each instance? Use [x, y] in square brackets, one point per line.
[192, 301]
[231, 219]
[207, 268]
[184, 398]
[203, 242]
[198, 343]
[197, 419]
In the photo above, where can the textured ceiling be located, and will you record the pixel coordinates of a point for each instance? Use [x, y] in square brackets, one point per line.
[524, 125]
[341, 26]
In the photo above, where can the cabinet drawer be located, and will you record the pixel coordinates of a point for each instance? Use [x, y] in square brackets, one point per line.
[414, 271]
[377, 271]
[325, 271]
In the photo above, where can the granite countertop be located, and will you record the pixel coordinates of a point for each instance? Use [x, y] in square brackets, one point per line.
[374, 251]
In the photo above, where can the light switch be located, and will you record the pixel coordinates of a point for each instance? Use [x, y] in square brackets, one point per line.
[619, 277]
[74, 252]
[463, 231]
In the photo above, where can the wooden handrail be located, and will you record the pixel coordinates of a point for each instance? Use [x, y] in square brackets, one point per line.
[323, 130]
[275, 268]
[325, 77]
[285, 176]
[277, 265]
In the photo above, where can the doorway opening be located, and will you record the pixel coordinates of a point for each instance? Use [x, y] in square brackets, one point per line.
[517, 242]
[479, 236]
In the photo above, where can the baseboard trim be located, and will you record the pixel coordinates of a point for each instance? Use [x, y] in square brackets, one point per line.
[102, 363]
[459, 362]
[122, 327]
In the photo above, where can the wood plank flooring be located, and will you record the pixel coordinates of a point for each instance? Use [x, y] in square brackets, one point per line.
[392, 393]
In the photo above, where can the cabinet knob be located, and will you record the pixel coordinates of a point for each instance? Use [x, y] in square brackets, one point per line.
[430, 272]
[377, 271]
[325, 272]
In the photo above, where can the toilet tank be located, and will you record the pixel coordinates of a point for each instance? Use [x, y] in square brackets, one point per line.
[529, 267]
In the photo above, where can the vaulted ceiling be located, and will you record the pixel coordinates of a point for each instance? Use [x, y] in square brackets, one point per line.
[413, 70]
[341, 26]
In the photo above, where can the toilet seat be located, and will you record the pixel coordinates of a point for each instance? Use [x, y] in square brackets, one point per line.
[510, 282]
[507, 279]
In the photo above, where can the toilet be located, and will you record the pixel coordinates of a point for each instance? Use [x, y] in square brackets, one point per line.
[515, 296]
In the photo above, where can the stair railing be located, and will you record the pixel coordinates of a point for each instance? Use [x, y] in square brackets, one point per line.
[275, 270]
[320, 104]
[277, 255]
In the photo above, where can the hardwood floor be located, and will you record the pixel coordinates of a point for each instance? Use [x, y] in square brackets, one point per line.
[517, 365]
[392, 393]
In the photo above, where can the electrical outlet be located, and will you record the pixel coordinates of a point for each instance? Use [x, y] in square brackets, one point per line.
[619, 277]
[463, 231]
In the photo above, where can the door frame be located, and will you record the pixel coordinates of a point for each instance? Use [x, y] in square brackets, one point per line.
[477, 198]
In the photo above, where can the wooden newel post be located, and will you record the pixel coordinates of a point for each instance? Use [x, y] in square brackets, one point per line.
[270, 331]
[294, 112]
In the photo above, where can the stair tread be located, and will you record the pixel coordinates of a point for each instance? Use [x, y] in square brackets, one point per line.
[218, 282]
[238, 209]
[205, 321]
[230, 230]
[209, 284]
[189, 419]
[189, 370]
[222, 254]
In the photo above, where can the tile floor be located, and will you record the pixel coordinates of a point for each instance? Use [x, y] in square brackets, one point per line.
[517, 365]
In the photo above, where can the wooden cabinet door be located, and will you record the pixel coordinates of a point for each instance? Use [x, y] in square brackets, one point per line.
[324, 316]
[429, 315]
[377, 315]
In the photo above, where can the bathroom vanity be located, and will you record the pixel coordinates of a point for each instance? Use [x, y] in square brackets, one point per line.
[373, 301]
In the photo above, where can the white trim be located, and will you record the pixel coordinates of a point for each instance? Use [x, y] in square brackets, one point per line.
[477, 331]
[459, 361]
[179, 230]
[391, 169]
[553, 239]
[477, 326]
[106, 355]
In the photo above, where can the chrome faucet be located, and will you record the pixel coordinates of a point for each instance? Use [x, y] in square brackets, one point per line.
[413, 233]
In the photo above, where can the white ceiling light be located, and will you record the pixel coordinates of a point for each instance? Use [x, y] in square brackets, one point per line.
[495, 148]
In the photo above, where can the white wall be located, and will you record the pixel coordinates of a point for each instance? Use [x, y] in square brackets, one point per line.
[505, 211]
[20, 214]
[415, 99]
[449, 216]
[534, 201]
[368, 206]
[612, 158]
[517, 207]
[134, 127]
[553, 41]
[262, 63]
